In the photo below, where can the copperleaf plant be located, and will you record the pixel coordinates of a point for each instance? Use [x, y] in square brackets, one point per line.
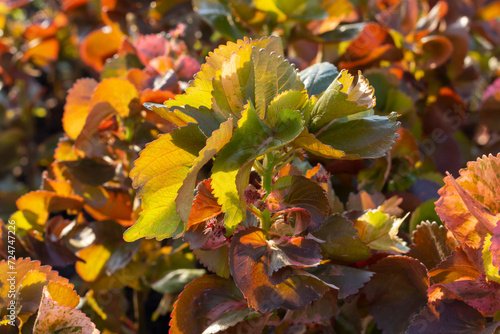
[247, 115]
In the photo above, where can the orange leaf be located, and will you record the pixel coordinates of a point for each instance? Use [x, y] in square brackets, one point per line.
[63, 294]
[117, 92]
[100, 45]
[77, 105]
[43, 53]
[118, 207]
[43, 202]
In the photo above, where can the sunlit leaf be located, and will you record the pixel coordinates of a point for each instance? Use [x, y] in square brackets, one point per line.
[340, 99]
[41, 203]
[251, 139]
[117, 92]
[399, 289]
[310, 143]
[56, 318]
[29, 280]
[77, 106]
[490, 258]
[99, 45]
[43, 53]
[250, 263]
[342, 242]
[207, 305]
[379, 231]
[213, 145]
[205, 205]
[468, 206]
[455, 267]
[159, 173]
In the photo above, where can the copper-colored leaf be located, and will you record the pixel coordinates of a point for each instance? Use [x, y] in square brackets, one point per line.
[250, 259]
[469, 205]
[208, 304]
[399, 289]
[447, 316]
[431, 244]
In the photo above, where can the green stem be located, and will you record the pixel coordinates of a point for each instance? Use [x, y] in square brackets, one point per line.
[267, 180]
[286, 162]
[266, 220]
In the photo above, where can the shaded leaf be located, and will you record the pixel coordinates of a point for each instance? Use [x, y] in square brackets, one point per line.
[216, 260]
[308, 195]
[317, 312]
[431, 244]
[348, 280]
[219, 16]
[208, 302]
[175, 280]
[398, 289]
[369, 136]
[318, 77]
[342, 242]
[447, 316]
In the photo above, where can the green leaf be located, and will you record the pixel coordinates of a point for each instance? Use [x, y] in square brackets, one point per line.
[158, 174]
[216, 260]
[215, 143]
[199, 94]
[492, 272]
[206, 304]
[310, 143]
[252, 74]
[380, 231]
[342, 99]
[175, 280]
[233, 164]
[118, 66]
[318, 77]
[218, 15]
[342, 242]
[348, 280]
[290, 99]
[362, 137]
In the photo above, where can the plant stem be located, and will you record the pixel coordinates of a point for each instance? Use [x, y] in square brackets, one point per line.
[267, 178]
[266, 220]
